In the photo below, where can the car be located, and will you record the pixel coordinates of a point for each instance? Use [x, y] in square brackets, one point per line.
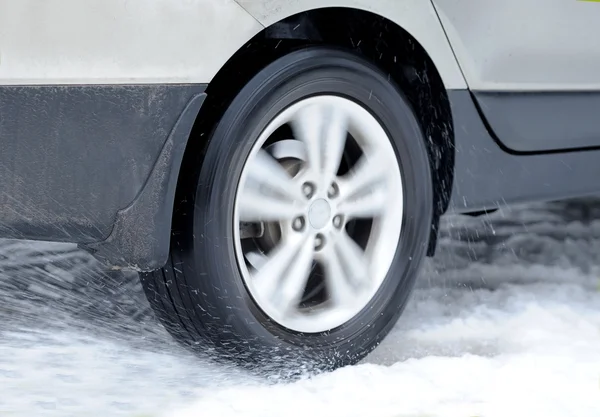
[276, 170]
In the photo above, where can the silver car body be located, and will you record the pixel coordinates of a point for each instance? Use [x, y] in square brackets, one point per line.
[525, 45]
[168, 41]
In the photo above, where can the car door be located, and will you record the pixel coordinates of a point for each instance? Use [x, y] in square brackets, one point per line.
[533, 67]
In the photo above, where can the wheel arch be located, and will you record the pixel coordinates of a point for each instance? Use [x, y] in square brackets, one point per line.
[417, 17]
[140, 238]
[381, 41]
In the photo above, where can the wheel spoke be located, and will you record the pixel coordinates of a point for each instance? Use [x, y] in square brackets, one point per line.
[265, 171]
[337, 281]
[308, 127]
[268, 278]
[353, 259]
[282, 279]
[256, 259]
[255, 206]
[269, 194]
[335, 142]
[297, 276]
[323, 130]
[288, 148]
[368, 171]
[368, 205]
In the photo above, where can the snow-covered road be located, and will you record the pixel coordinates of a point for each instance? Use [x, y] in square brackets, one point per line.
[505, 322]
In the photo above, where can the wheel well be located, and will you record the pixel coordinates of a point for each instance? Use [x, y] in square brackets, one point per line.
[379, 40]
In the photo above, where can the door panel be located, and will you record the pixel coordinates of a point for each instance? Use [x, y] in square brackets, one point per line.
[542, 121]
[531, 45]
[534, 68]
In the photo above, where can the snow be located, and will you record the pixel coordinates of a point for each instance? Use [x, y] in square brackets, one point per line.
[505, 322]
[516, 351]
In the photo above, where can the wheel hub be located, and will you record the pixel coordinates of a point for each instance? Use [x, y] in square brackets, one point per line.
[319, 213]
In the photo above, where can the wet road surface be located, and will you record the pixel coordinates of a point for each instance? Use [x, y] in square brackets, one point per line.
[505, 321]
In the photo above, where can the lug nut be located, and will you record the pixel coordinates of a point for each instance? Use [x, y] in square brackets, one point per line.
[333, 190]
[319, 242]
[337, 221]
[298, 224]
[308, 189]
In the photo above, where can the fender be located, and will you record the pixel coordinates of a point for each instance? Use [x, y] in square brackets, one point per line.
[417, 17]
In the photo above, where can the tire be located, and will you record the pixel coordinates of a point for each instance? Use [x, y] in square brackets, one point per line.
[201, 295]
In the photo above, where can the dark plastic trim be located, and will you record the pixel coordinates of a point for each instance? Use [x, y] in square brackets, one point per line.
[140, 238]
[95, 165]
[486, 176]
[536, 122]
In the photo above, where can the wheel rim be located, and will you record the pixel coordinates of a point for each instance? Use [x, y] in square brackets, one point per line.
[318, 215]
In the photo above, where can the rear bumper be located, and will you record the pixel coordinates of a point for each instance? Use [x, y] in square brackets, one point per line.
[95, 165]
[141, 235]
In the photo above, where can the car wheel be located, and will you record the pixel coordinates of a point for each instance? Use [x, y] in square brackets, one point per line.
[302, 231]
